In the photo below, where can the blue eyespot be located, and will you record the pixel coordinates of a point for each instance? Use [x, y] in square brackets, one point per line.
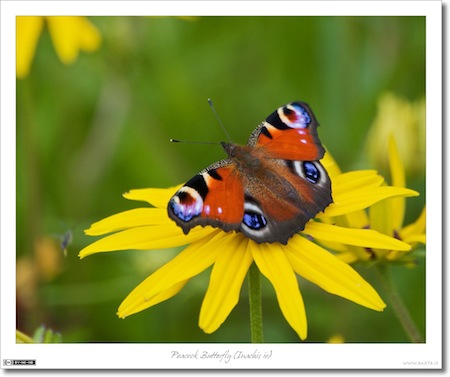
[312, 174]
[181, 212]
[254, 220]
[186, 204]
[304, 117]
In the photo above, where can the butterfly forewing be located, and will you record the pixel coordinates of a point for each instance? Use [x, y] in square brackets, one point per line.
[290, 132]
[213, 197]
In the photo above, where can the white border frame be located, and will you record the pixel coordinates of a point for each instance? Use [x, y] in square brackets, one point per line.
[282, 356]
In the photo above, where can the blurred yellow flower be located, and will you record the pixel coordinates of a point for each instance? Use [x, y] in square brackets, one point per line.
[70, 35]
[41, 335]
[406, 121]
[231, 254]
[23, 338]
[336, 339]
[387, 217]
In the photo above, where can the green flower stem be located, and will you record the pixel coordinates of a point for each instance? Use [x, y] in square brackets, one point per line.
[255, 297]
[399, 307]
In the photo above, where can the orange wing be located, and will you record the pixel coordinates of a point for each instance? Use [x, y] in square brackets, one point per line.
[214, 197]
[289, 133]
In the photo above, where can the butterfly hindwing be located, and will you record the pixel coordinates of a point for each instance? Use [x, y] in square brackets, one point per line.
[279, 205]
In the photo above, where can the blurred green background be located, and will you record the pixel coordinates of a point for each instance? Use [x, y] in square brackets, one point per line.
[89, 131]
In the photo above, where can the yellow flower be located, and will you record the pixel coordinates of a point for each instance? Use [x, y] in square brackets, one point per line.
[387, 217]
[231, 254]
[336, 339]
[28, 30]
[406, 121]
[69, 35]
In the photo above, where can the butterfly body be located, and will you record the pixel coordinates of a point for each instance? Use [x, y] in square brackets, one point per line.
[267, 189]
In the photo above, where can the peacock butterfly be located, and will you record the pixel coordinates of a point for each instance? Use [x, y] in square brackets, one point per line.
[268, 189]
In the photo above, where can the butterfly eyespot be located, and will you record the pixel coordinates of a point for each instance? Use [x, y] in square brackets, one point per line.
[311, 172]
[254, 220]
[293, 115]
[186, 204]
[299, 117]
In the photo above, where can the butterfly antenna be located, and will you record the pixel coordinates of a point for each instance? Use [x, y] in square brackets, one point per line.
[192, 142]
[218, 119]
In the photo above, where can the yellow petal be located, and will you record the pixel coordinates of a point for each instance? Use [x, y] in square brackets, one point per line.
[330, 165]
[227, 276]
[28, 30]
[348, 257]
[416, 228]
[416, 238]
[167, 280]
[381, 216]
[89, 38]
[356, 237]
[72, 34]
[129, 219]
[336, 339]
[348, 182]
[155, 196]
[331, 245]
[147, 238]
[274, 265]
[406, 121]
[398, 180]
[331, 274]
[159, 297]
[363, 198]
[357, 219]
[396, 165]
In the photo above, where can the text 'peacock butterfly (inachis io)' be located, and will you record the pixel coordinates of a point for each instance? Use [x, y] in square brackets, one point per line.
[268, 189]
